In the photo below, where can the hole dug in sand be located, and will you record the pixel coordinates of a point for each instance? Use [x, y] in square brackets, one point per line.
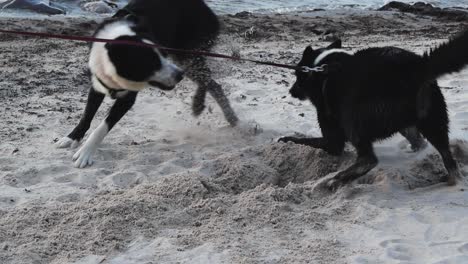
[276, 164]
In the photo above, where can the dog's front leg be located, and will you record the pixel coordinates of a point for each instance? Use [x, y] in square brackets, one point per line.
[333, 141]
[311, 142]
[332, 147]
[199, 72]
[198, 102]
[415, 138]
[83, 157]
[216, 91]
[365, 162]
[73, 139]
[218, 94]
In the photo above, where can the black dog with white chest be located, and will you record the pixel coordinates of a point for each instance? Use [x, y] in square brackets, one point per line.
[121, 71]
[370, 95]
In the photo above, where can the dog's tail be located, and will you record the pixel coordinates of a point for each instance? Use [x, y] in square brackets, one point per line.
[448, 58]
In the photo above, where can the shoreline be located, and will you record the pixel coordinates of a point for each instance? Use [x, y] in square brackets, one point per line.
[77, 11]
[308, 22]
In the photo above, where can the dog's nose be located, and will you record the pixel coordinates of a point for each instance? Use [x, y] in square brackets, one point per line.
[179, 76]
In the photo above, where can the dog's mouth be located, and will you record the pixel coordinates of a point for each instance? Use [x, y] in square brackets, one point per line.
[161, 85]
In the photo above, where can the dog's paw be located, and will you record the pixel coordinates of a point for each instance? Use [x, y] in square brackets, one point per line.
[83, 157]
[329, 183]
[406, 147]
[67, 142]
[420, 146]
[285, 139]
[326, 184]
[414, 147]
[197, 108]
[454, 177]
[232, 119]
[333, 184]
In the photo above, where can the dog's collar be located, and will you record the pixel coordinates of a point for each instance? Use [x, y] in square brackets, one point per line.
[317, 69]
[112, 91]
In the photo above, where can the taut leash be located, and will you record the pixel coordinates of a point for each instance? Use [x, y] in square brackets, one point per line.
[304, 69]
[142, 44]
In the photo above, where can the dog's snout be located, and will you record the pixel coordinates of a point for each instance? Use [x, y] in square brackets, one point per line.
[179, 75]
[297, 92]
[294, 90]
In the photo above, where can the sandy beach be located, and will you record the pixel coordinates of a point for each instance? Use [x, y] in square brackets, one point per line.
[169, 188]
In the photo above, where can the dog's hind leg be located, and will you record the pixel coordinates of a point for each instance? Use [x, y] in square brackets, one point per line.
[83, 157]
[439, 139]
[365, 162]
[218, 94]
[73, 139]
[437, 134]
[414, 137]
[434, 126]
[200, 73]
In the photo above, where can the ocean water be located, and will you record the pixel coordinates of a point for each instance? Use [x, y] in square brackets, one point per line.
[269, 6]
[256, 6]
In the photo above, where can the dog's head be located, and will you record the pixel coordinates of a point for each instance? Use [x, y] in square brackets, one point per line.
[131, 67]
[307, 82]
[143, 64]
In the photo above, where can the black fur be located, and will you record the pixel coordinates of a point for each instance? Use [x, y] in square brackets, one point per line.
[94, 101]
[447, 58]
[174, 23]
[375, 93]
[120, 108]
[132, 62]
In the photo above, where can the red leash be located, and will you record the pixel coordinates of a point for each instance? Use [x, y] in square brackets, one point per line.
[141, 44]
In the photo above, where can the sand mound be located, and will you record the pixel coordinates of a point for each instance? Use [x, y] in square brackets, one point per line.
[275, 164]
[228, 195]
[257, 187]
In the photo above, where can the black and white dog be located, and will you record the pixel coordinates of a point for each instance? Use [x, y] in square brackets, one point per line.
[121, 71]
[377, 92]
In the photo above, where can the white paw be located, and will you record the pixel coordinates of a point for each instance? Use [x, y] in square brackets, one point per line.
[67, 142]
[407, 148]
[279, 139]
[83, 157]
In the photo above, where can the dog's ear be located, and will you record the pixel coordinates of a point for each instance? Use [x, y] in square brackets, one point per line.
[308, 52]
[335, 45]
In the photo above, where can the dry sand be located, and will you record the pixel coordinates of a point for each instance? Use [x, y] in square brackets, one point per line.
[168, 188]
